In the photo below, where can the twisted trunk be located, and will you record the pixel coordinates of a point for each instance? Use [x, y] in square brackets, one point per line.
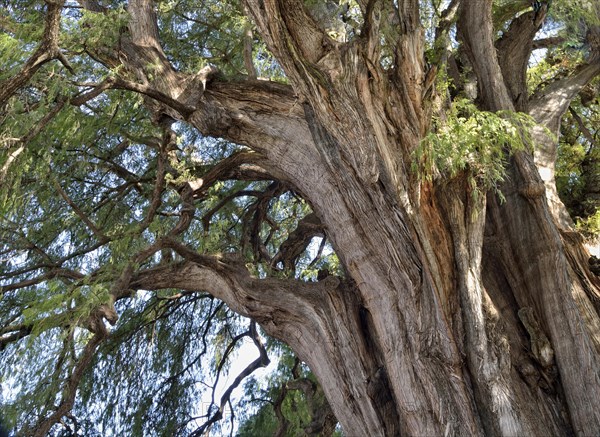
[457, 316]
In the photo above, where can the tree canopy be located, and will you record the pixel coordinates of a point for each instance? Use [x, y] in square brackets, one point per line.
[152, 221]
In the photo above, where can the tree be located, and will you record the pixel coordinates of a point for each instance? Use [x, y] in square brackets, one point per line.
[144, 149]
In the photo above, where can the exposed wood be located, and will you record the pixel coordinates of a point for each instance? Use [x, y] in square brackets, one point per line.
[458, 314]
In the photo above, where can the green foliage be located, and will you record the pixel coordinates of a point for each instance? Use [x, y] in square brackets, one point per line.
[578, 163]
[559, 62]
[154, 361]
[260, 418]
[590, 226]
[197, 33]
[96, 30]
[80, 185]
[574, 18]
[474, 143]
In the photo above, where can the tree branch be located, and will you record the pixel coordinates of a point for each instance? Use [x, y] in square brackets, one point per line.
[143, 24]
[442, 49]
[583, 128]
[46, 51]
[95, 92]
[544, 43]
[91, 5]
[308, 227]
[514, 49]
[52, 273]
[265, 116]
[230, 168]
[476, 31]
[371, 28]
[261, 361]
[70, 390]
[38, 127]
[84, 218]
[279, 305]
[248, 62]
[16, 334]
[548, 105]
[157, 95]
[408, 12]
[289, 31]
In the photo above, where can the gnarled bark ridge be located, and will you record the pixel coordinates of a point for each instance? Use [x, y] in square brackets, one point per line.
[458, 315]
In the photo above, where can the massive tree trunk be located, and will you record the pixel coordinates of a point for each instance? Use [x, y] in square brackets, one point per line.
[458, 315]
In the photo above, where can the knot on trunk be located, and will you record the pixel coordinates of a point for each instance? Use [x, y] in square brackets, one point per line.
[540, 345]
[594, 263]
[533, 190]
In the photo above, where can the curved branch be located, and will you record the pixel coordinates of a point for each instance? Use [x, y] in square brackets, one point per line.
[281, 306]
[548, 106]
[261, 361]
[232, 167]
[70, 390]
[476, 31]
[514, 49]
[298, 240]
[265, 116]
[46, 51]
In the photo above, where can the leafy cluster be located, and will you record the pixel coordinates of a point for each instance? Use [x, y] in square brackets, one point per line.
[578, 164]
[285, 403]
[91, 188]
[473, 143]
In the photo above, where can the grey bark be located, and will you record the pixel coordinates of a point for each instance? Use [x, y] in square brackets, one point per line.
[451, 307]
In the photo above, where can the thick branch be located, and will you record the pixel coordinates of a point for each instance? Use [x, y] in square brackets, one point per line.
[232, 167]
[477, 34]
[408, 11]
[248, 62]
[316, 320]
[143, 25]
[310, 226]
[514, 50]
[289, 31]
[549, 105]
[279, 305]
[47, 50]
[265, 116]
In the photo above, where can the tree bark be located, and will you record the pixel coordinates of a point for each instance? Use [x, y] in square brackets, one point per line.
[457, 316]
